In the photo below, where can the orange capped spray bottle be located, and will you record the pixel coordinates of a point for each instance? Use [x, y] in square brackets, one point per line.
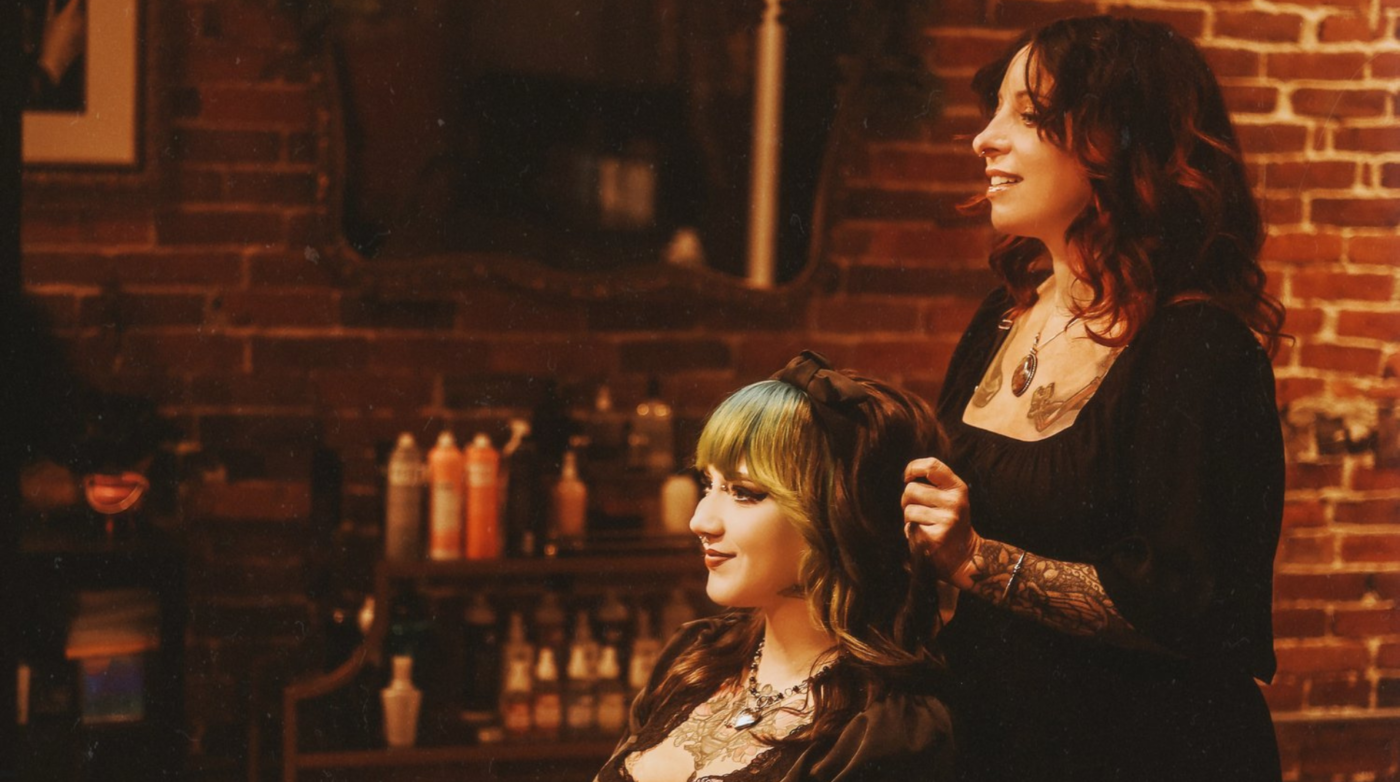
[483, 499]
[445, 484]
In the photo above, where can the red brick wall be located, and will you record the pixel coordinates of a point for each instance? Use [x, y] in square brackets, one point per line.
[215, 296]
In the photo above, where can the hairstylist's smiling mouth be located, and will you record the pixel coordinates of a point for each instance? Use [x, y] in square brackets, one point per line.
[999, 181]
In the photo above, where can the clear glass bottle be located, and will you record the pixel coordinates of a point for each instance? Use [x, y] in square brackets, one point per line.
[517, 700]
[651, 441]
[581, 705]
[570, 504]
[611, 695]
[547, 708]
[645, 649]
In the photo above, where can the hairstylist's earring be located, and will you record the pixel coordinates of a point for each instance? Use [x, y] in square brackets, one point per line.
[704, 541]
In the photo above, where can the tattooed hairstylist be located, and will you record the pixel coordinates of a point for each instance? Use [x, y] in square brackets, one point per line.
[822, 671]
[1111, 501]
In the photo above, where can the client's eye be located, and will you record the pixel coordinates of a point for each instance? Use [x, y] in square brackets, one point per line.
[747, 495]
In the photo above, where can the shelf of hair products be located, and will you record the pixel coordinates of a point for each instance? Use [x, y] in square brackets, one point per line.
[524, 591]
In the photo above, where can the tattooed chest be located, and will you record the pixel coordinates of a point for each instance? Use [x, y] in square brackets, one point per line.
[706, 744]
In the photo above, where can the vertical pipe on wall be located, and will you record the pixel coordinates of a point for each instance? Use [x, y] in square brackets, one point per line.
[12, 81]
[767, 147]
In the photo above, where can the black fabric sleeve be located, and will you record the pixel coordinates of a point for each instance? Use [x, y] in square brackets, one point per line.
[1203, 469]
[897, 737]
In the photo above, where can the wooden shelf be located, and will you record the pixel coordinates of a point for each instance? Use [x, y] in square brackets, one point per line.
[662, 562]
[666, 564]
[436, 756]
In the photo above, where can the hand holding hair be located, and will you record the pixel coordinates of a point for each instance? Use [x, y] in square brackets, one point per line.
[937, 521]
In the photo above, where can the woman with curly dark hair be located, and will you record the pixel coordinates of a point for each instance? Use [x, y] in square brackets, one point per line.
[1111, 500]
[821, 671]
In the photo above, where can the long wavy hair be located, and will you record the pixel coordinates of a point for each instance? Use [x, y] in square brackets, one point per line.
[1172, 215]
[857, 576]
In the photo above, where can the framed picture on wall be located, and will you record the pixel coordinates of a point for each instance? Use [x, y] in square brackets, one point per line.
[83, 83]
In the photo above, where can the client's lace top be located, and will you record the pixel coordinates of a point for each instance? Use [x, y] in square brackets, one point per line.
[897, 737]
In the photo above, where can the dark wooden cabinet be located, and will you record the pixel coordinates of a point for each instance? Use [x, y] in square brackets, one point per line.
[330, 722]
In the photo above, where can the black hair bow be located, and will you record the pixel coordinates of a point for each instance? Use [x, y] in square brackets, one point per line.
[834, 395]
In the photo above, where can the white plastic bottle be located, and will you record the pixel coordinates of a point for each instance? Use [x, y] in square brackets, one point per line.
[403, 502]
[401, 701]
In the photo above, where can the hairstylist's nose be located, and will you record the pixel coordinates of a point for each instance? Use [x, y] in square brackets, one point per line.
[989, 142]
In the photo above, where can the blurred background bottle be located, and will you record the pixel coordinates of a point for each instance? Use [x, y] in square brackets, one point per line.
[483, 508]
[446, 476]
[651, 440]
[526, 505]
[403, 502]
[482, 662]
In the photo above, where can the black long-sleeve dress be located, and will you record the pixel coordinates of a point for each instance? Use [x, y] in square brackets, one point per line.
[1170, 482]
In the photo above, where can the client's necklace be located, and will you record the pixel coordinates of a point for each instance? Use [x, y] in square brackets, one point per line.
[758, 706]
[1025, 371]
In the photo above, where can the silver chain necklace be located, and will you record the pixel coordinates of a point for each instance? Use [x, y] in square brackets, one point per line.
[758, 706]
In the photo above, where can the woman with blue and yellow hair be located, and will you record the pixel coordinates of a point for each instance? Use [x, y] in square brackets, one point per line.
[821, 669]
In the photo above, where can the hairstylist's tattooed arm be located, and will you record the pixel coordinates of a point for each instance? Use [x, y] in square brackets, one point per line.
[1067, 596]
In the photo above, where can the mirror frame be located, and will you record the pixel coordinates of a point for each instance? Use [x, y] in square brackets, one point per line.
[455, 271]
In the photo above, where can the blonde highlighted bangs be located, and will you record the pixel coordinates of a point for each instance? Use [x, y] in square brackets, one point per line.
[765, 426]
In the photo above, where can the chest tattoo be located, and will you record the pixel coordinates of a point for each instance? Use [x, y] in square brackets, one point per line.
[989, 386]
[1045, 409]
[706, 735]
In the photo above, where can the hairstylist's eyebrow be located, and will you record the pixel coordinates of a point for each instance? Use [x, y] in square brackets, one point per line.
[1019, 96]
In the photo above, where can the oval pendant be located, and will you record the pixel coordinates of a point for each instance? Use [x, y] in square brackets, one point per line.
[746, 719]
[1024, 374]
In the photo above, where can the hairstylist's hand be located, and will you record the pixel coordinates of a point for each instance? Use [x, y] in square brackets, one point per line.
[936, 520]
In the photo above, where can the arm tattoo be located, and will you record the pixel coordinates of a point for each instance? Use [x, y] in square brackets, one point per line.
[1066, 596]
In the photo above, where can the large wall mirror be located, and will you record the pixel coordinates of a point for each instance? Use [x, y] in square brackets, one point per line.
[588, 139]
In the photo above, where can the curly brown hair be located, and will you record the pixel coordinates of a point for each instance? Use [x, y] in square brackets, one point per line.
[860, 582]
[1172, 215]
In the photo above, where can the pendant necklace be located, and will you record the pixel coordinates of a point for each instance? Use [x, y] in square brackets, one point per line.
[1025, 371]
[758, 706]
